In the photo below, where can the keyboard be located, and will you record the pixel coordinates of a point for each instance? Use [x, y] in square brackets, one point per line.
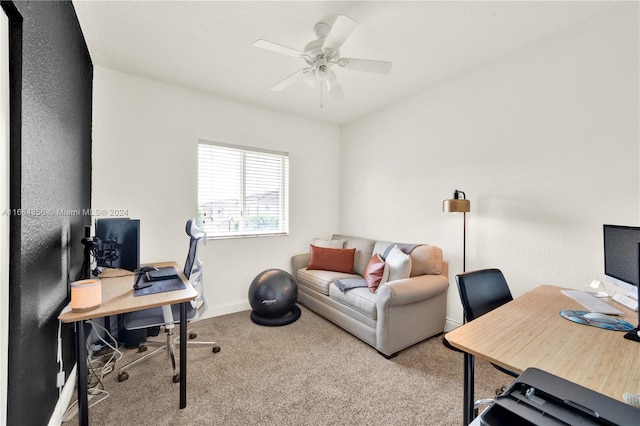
[592, 304]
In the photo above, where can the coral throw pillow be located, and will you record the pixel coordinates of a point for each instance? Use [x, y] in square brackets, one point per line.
[331, 259]
[373, 272]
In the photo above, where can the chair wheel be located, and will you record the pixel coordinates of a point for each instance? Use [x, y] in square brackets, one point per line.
[176, 378]
[123, 376]
[142, 348]
[192, 335]
[215, 349]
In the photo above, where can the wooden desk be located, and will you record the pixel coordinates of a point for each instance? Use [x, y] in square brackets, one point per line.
[117, 298]
[529, 332]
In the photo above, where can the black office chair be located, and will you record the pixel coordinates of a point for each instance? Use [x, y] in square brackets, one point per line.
[482, 291]
[168, 316]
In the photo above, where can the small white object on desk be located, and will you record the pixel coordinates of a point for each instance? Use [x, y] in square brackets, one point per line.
[600, 317]
[591, 303]
[626, 301]
[595, 284]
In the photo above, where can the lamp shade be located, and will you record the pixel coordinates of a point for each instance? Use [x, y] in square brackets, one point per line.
[456, 206]
[86, 295]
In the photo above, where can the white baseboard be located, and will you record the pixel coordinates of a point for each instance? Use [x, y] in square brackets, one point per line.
[64, 399]
[227, 308]
[451, 325]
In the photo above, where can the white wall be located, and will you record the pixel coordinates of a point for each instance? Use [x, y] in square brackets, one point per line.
[544, 141]
[145, 137]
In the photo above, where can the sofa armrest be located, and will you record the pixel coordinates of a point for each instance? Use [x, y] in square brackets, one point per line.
[411, 290]
[299, 261]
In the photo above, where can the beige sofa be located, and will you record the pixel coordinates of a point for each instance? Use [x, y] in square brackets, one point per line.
[401, 313]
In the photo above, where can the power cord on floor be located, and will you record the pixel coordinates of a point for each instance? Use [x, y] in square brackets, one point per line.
[60, 377]
[99, 367]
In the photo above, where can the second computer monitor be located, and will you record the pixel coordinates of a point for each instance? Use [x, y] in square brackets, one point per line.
[124, 236]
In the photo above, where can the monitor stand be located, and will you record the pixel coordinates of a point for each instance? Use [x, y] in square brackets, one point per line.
[633, 335]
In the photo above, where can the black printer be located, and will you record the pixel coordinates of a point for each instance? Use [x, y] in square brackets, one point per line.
[540, 398]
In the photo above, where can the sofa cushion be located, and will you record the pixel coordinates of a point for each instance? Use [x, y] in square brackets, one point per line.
[425, 259]
[364, 250]
[345, 284]
[360, 299]
[373, 272]
[331, 259]
[398, 264]
[318, 242]
[319, 280]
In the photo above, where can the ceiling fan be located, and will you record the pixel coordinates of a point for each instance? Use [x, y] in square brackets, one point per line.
[323, 54]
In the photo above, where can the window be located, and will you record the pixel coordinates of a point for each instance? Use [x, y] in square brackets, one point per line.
[242, 191]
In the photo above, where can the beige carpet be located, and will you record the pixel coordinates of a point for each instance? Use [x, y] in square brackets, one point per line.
[310, 372]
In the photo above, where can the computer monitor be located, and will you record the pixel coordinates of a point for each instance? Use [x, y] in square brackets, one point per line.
[622, 263]
[621, 258]
[120, 241]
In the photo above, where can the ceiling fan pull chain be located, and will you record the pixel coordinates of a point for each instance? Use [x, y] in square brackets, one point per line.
[321, 100]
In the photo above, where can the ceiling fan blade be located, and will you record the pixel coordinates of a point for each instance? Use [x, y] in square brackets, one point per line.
[368, 65]
[342, 28]
[298, 75]
[334, 87]
[278, 48]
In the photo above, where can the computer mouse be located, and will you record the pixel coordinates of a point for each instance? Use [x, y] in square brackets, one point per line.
[600, 317]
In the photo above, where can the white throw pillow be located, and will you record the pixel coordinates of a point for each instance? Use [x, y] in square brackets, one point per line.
[328, 243]
[397, 264]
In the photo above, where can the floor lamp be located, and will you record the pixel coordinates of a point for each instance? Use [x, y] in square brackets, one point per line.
[460, 204]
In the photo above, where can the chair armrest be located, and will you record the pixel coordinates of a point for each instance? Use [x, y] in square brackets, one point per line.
[411, 290]
[299, 261]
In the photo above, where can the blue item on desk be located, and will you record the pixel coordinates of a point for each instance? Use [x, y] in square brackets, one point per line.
[160, 286]
[579, 317]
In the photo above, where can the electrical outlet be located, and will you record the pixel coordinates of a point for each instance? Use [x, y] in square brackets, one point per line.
[60, 379]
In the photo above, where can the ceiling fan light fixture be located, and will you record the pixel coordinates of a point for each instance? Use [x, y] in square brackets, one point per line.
[323, 72]
[322, 54]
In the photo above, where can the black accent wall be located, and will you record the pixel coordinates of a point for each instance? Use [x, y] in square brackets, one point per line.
[50, 181]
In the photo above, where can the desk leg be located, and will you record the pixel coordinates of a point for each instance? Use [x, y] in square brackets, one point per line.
[469, 376]
[183, 354]
[81, 360]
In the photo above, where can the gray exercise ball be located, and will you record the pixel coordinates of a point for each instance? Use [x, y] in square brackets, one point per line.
[273, 294]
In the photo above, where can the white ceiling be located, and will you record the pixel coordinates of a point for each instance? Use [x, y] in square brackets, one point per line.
[208, 45]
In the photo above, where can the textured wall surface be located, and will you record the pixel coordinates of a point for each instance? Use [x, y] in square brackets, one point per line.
[50, 182]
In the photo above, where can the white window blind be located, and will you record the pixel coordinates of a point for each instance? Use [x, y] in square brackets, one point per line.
[242, 191]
